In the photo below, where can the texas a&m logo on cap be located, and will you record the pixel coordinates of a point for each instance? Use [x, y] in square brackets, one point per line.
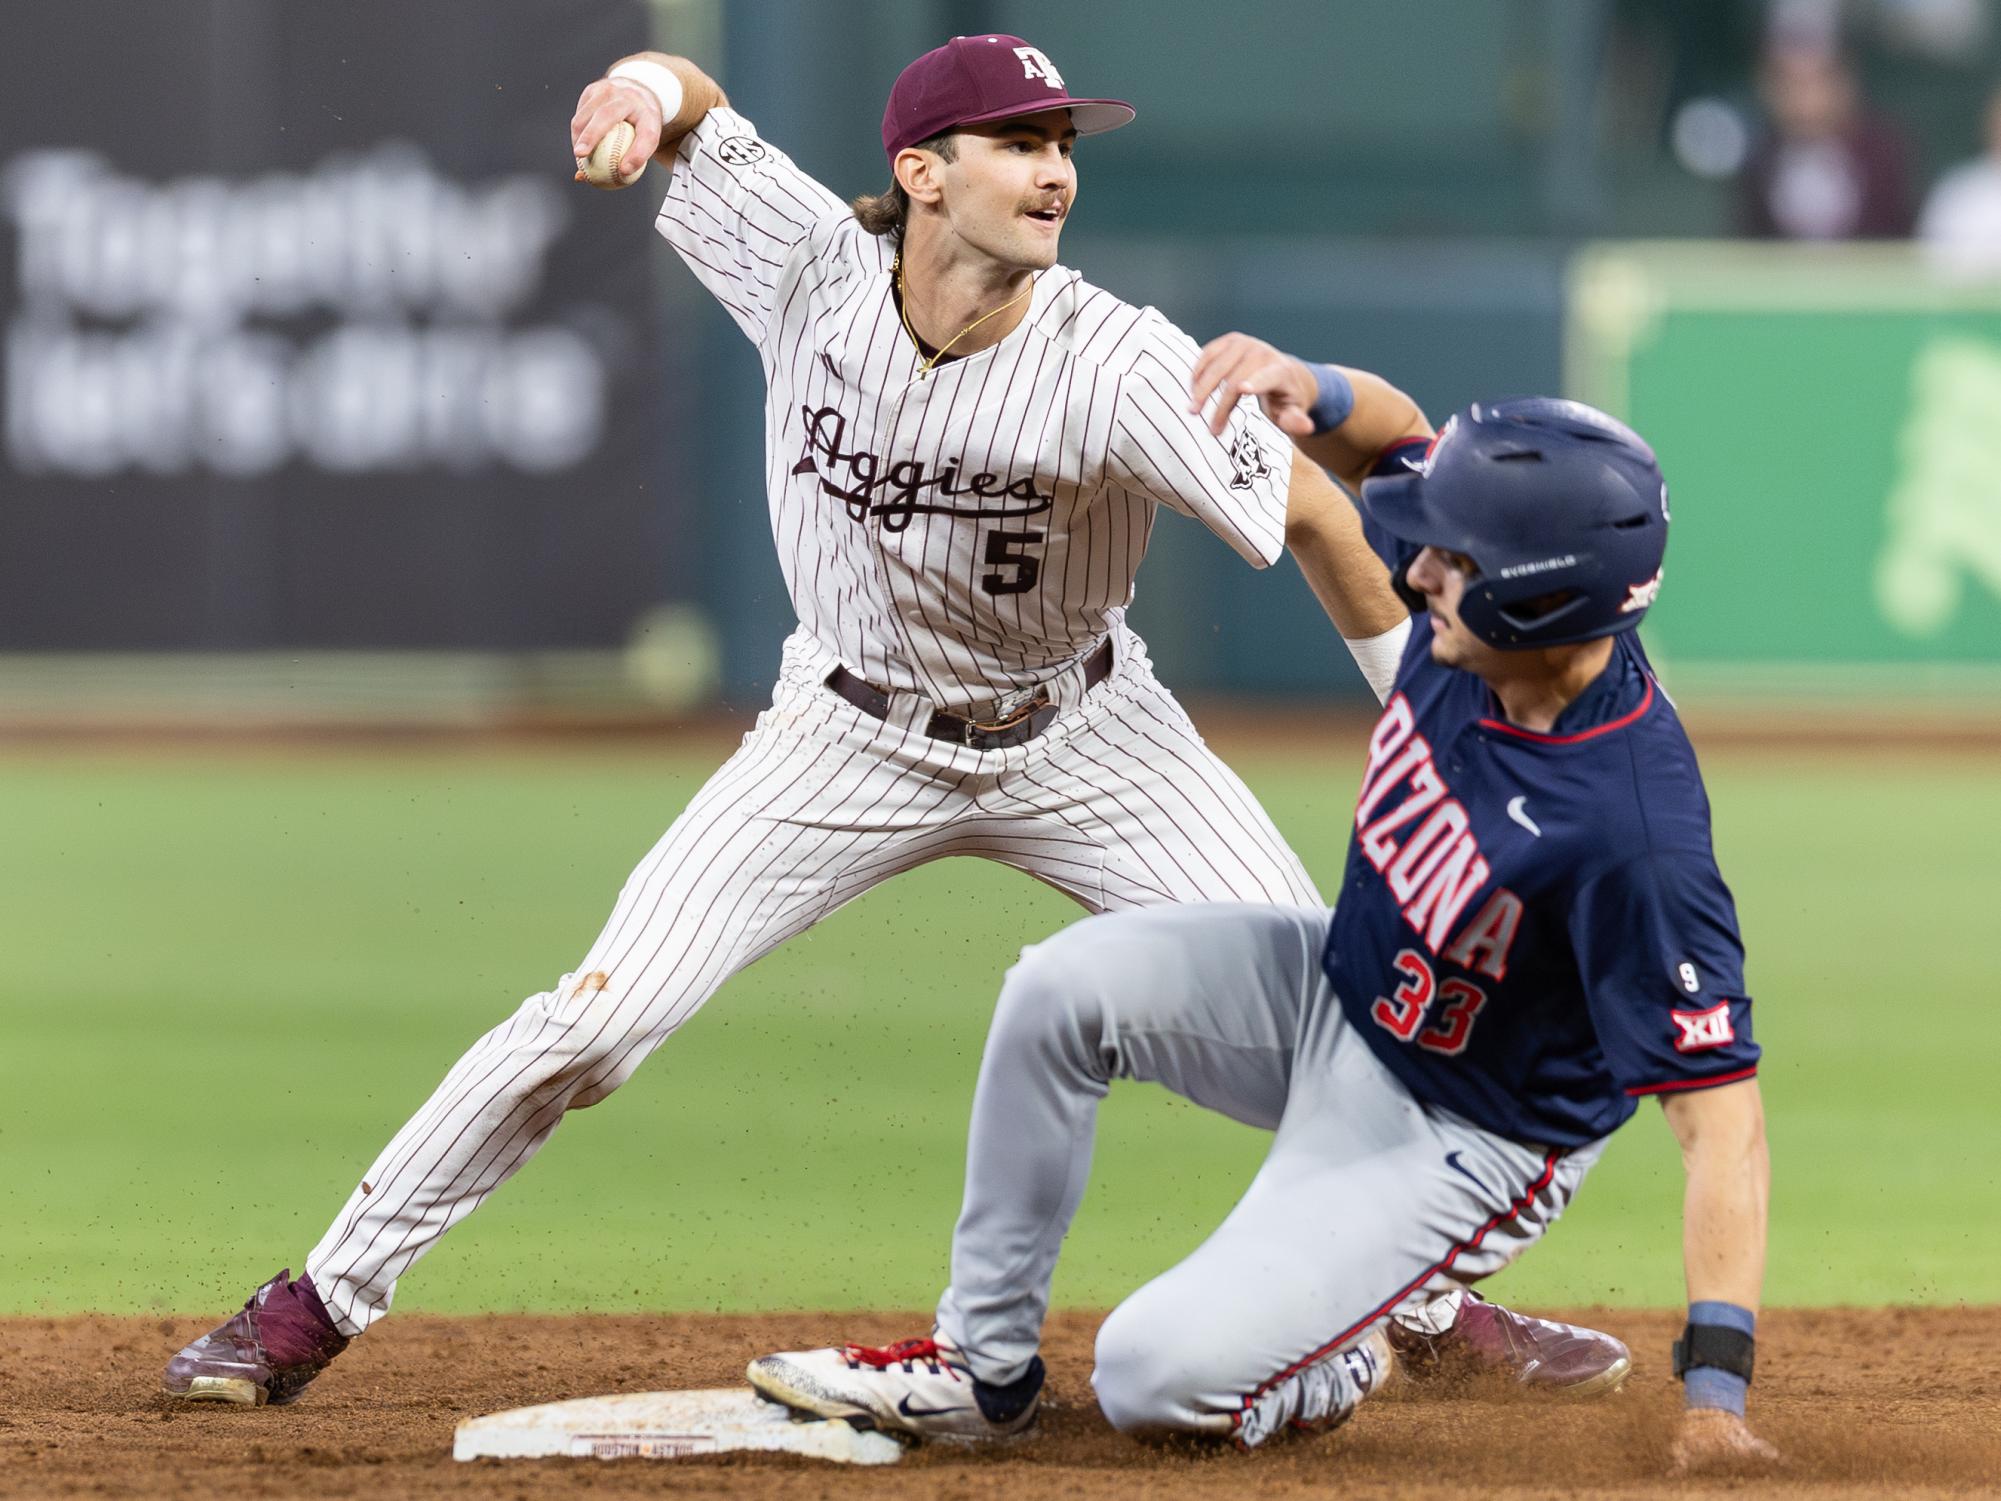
[1035, 63]
[1703, 1029]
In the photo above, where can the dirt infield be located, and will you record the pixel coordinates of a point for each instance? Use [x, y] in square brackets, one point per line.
[1864, 1403]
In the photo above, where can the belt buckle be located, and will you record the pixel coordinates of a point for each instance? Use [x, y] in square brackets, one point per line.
[1012, 706]
[1008, 712]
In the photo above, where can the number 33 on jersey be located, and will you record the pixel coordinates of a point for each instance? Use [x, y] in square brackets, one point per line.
[1532, 930]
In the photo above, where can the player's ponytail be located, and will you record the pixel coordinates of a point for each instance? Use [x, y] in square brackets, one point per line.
[883, 213]
[887, 212]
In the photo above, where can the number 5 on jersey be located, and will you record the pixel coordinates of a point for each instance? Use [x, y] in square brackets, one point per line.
[1401, 1013]
[1006, 550]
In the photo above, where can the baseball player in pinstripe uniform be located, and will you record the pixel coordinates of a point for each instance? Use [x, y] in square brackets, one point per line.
[967, 446]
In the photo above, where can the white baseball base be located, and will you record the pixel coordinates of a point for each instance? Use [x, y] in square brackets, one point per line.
[665, 1425]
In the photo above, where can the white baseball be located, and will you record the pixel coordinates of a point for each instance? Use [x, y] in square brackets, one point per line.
[608, 156]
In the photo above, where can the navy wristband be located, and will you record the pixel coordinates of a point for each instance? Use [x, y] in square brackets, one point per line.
[1336, 399]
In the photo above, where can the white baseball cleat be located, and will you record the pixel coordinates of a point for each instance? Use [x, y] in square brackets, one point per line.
[916, 1386]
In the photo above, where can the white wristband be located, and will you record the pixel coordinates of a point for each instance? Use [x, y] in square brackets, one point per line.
[659, 81]
[1379, 657]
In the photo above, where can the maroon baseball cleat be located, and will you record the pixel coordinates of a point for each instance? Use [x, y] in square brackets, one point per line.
[270, 1352]
[1560, 1359]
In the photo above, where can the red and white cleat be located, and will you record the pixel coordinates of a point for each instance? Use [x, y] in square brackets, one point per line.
[916, 1386]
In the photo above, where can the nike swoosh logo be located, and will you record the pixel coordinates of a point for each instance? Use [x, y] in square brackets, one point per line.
[1516, 811]
[908, 1411]
[1452, 1161]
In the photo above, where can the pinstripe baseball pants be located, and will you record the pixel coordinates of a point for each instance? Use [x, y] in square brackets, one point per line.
[1119, 804]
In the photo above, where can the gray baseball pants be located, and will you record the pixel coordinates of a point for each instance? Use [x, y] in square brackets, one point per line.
[1368, 1204]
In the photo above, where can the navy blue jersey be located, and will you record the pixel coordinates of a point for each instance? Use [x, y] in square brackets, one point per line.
[1532, 930]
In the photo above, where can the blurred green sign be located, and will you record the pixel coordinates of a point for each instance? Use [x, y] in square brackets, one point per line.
[1829, 420]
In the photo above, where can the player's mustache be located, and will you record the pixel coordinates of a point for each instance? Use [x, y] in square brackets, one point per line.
[1059, 204]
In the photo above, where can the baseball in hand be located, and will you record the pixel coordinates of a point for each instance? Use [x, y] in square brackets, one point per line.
[602, 169]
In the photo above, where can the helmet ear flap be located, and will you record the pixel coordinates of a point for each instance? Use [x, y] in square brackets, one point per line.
[1413, 601]
[1545, 620]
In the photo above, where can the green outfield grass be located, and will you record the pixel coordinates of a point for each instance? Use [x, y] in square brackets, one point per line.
[226, 979]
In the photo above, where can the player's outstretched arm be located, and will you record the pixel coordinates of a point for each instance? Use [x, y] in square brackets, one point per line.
[664, 97]
[1369, 416]
[1722, 1136]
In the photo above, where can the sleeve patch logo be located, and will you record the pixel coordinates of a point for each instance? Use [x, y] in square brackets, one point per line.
[1247, 457]
[1703, 1029]
[741, 151]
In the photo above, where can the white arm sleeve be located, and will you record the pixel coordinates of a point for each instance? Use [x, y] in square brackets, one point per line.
[1380, 656]
[736, 210]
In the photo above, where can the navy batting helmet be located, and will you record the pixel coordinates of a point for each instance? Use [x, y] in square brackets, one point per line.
[1561, 508]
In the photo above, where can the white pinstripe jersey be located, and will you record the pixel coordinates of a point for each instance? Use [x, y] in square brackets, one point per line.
[966, 534]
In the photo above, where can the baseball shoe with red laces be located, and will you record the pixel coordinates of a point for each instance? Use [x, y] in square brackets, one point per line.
[269, 1352]
[1563, 1360]
[918, 1386]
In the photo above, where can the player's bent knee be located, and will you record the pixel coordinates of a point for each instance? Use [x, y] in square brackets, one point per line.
[1137, 1404]
[1082, 1001]
[1059, 1011]
[1086, 964]
[1145, 1386]
[1069, 954]
[568, 1045]
[1052, 983]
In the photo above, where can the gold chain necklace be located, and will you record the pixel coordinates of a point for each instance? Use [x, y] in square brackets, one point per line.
[903, 310]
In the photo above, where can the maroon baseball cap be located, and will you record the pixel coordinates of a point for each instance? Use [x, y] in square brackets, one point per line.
[974, 79]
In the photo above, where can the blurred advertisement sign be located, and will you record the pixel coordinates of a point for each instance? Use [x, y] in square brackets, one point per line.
[369, 315]
[1829, 420]
[1943, 540]
[312, 342]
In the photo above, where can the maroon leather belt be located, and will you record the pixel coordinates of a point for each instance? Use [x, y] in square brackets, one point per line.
[1037, 715]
